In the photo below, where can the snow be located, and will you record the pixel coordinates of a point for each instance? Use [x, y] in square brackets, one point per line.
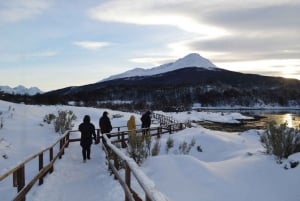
[21, 90]
[191, 60]
[231, 166]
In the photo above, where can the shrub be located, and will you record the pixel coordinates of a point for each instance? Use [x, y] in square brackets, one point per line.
[169, 143]
[156, 148]
[63, 121]
[185, 148]
[49, 118]
[280, 140]
[139, 147]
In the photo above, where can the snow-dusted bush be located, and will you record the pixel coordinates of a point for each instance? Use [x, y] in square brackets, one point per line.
[281, 140]
[49, 118]
[64, 121]
[156, 148]
[139, 147]
[169, 144]
[185, 148]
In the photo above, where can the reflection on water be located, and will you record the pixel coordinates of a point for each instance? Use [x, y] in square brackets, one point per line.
[292, 120]
[288, 118]
[262, 118]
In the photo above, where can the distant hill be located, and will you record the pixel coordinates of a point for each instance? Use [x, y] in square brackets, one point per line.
[20, 90]
[179, 85]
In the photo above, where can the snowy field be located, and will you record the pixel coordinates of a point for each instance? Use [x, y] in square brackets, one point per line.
[221, 166]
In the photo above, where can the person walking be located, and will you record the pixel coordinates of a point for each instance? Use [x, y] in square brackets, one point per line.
[131, 125]
[146, 121]
[87, 130]
[105, 124]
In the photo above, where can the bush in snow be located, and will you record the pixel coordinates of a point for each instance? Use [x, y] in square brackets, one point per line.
[156, 148]
[64, 121]
[185, 148]
[169, 144]
[49, 118]
[139, 147]
[281, 140]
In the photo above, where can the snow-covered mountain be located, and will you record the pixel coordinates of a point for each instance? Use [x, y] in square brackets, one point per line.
[191, 60]
[20, 90]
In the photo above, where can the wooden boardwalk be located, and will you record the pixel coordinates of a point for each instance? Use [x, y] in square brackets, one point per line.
[91, 179]
[47, 161]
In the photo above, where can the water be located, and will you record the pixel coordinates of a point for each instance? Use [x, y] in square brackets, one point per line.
[261, 119]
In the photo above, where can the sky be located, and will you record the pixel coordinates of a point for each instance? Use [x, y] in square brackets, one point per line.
[52, 44]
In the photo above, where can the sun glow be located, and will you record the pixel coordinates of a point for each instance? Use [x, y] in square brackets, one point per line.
[283, 68]
[288, 118]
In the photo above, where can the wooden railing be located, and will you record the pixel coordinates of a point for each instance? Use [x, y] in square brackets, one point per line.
[115, 157]
[55, 151]
[18, 173]
[164, 120]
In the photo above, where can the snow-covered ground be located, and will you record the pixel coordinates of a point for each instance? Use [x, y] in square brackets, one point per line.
[220, 166]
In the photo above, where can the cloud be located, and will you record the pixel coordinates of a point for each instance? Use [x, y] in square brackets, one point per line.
[154, 61]
[15, 10]
[244, 30]
[277, 16]
[91, 45]
[247, 46]
[154, 12]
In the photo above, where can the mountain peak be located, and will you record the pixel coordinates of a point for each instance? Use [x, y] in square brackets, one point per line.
[194, 60]
[190, 60]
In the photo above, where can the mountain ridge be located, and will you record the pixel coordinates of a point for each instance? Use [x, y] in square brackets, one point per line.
[20, 90]
[190, 60]
[181, 87]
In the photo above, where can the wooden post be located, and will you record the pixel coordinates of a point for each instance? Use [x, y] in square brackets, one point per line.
[118, 133]
[123, 140]
[158, 132]
[60, 148]
[21, 178]
[127, 179]
[50, 159]
[116, 164]
[41, 165]
[67, 139]
[98, 137]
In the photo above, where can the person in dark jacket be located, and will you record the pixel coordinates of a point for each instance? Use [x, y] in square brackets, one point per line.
[104, 124]
[87, 130]
[146, 121]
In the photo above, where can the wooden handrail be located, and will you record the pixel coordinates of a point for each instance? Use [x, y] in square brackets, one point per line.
[152, 194]
[18, 172]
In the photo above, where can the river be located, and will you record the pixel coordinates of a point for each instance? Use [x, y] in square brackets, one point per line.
[260, 121]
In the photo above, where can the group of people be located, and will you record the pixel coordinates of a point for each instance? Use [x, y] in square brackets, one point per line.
[88, 131]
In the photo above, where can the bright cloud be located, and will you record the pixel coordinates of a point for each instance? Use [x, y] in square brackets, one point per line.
[154, 12]
[91, 45]
[15, 10]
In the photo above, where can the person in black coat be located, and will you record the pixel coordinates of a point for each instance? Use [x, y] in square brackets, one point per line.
[104, 124]
[146, 121]
[87, 130]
